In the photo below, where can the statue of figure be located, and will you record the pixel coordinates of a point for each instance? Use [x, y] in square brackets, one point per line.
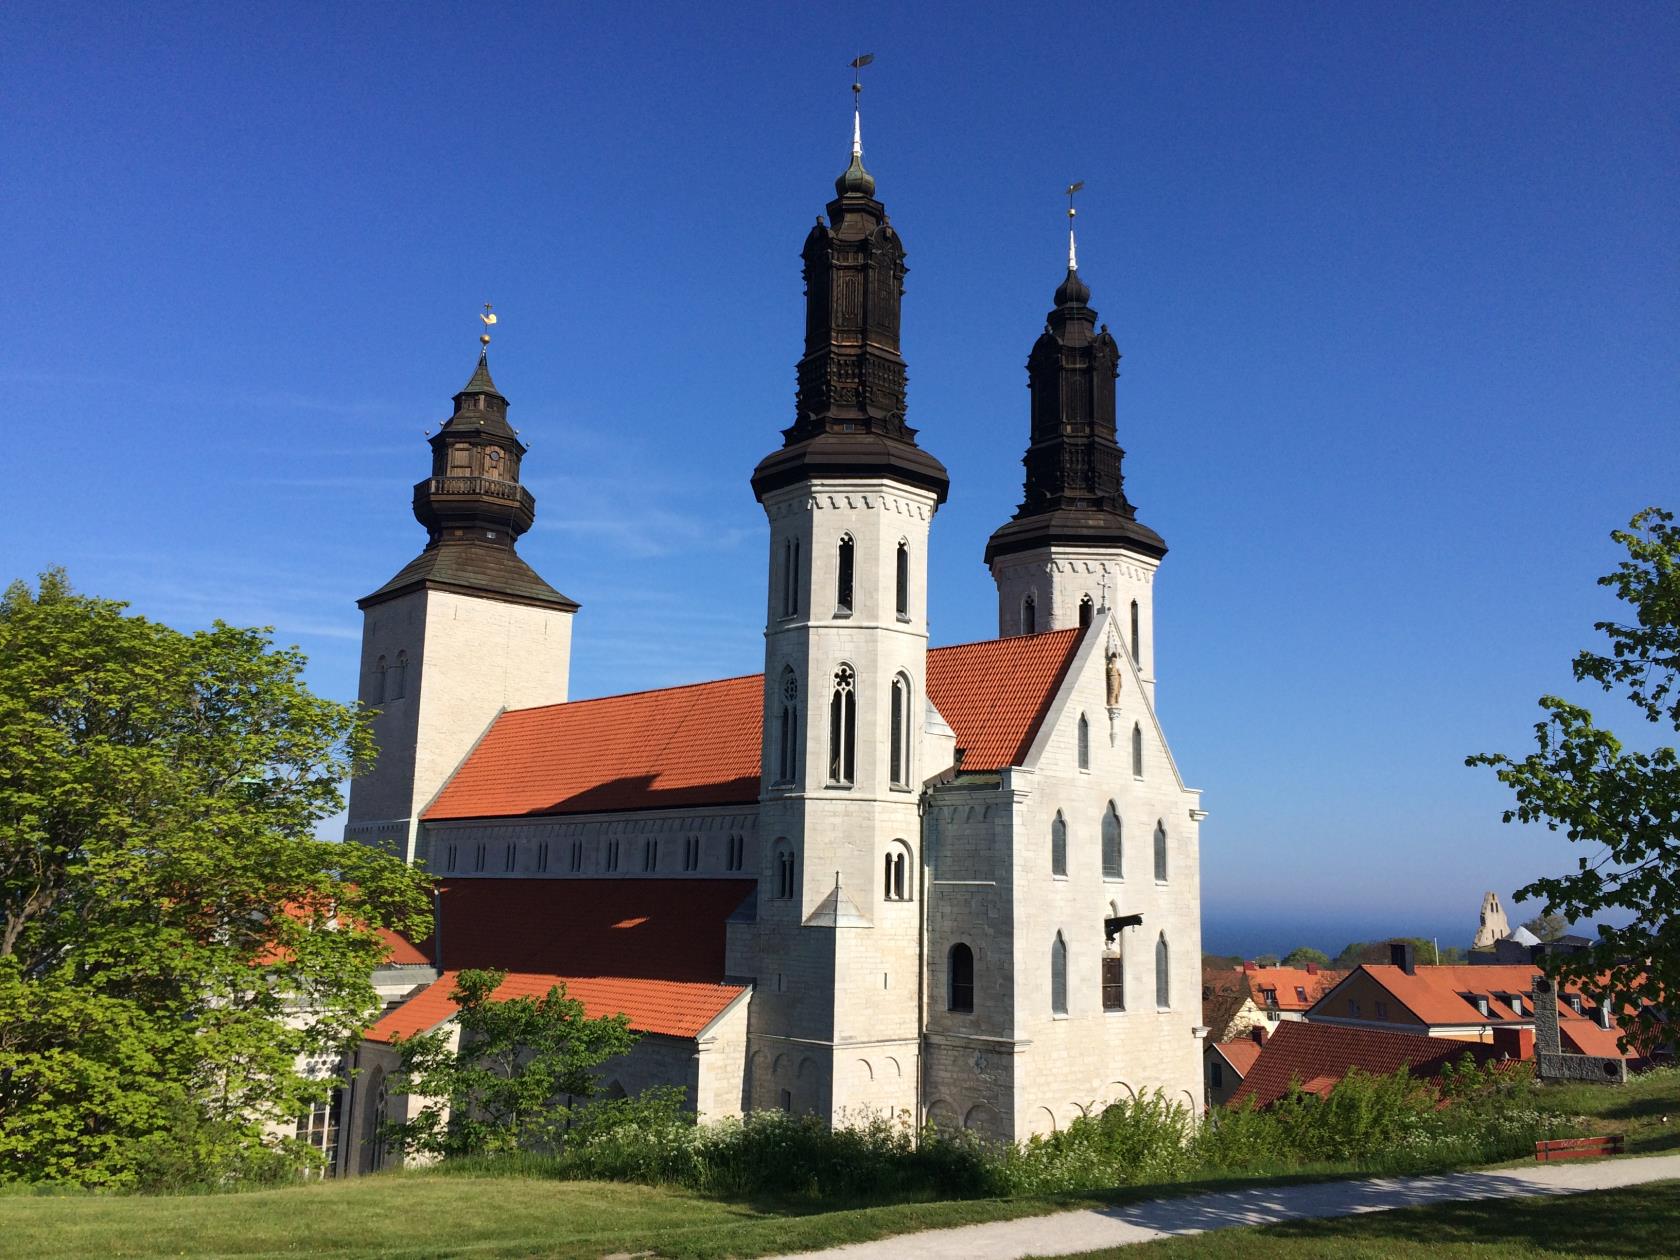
[1113, 678]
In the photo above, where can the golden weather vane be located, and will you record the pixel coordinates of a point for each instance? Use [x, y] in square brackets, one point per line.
[487, 319]
[1073, 253]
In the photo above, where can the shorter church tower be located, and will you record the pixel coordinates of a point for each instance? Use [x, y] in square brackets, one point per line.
[1075, 544]
[465, 630]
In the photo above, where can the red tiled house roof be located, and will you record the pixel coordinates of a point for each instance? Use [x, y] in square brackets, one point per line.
[697, 745]
[1320, 1055]
[1285, 981]
[670, 1007]
[1240, 1054]
[652, 949]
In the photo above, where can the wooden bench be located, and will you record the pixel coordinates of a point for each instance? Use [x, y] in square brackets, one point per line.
[1578, 1148]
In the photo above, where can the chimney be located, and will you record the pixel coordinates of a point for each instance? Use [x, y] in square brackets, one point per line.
[1248, 966]
[1511, 1042]
[1400, 955]
[1312, 969]
[1259, 1033]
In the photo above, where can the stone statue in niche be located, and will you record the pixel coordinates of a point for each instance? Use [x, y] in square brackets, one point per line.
[1113, 673]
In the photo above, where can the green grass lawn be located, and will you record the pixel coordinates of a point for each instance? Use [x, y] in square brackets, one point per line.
[1641, 1221]
[1646, 1109]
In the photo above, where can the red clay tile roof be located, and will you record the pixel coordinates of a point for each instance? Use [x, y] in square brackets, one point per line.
[700, 745]
[655, 929]
[674, 1008]
[1319, 1055]
[1240, 1053]
[1285, 980]
[403, 952]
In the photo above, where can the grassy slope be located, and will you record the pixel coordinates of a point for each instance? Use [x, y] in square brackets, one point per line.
[1646, 1109]
[1631, 1224]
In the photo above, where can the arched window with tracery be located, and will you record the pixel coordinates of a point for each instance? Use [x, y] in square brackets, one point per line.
[784, 872]
[1029, 615]
[1058, 976]
[1160, 852]
[787, 729]
[1113, 851]
[842, 727]
[1058, 845]
[899, 730]
[1137, 750]
[1163, 981]
[1084, 743]
[903, 579]
[844, 573]
[896, 883]
[959, 970]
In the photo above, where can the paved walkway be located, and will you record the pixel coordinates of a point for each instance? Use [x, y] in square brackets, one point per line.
[1068, 1233]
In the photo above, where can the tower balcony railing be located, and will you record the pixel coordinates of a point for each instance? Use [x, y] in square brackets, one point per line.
[482, 487]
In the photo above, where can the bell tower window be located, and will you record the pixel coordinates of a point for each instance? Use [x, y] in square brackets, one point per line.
[1137, 642]
[790, 578]
[844, 569]
[399, 677]
[842, 727]
[1086, 609]
[903, 580]
[787, 730]
[1029, 615]
[900, 756]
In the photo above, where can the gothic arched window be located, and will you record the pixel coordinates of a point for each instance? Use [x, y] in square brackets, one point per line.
[843, 575]
[790, 577]
[1029, 615]
[784, 872]
[1058, 845]
[1113, 854]
[842, 727]
[1137, 750]
[376, 689]
[904, 579]
[1163, 982]
[399, 677]
[787, 729]
[896, 881]
[1058, 976]
[1137, 644]
[959, 969]
[900, 731]
[1114, 968]
[1084, 743]
[1161, 852]
[1086, 610]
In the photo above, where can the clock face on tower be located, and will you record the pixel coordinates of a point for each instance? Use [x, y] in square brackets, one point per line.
[494, 466]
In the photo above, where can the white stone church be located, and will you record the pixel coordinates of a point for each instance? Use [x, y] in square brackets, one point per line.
[956, 884]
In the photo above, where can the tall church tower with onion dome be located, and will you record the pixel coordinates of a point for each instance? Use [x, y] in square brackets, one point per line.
[850, 496]
[466, 629]
[1075, 545]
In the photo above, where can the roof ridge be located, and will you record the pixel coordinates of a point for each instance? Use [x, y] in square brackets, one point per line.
[1006, 638]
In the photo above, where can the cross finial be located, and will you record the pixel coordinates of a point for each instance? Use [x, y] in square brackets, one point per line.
[1103, 607]
[1073, 253]
[488, 318]
[858, 63]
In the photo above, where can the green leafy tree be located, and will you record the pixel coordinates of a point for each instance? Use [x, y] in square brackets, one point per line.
[518, 1069]
[1622, 804]
[1304, 954]
[172, 935]
[1548, 927]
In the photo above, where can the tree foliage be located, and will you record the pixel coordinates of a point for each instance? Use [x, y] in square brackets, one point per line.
[1547, 927]
[1303, 955]
[172, 936]
[512, 1078]
[1621, 803]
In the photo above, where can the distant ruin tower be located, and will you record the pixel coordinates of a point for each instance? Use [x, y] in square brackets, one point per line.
[1493, 926]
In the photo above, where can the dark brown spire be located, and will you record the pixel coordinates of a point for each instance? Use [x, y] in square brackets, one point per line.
[473, 506]
[1074, 489]
[849, 412]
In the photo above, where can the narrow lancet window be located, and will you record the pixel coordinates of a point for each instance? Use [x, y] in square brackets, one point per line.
[1086, 609]
[1058, 845]
[961, 972]
[900, 732]
[1084, 743]
[1161, 852]
[1136, 642]
[842, 727]
[787, 730]
[1029, 615]
[399, 677]
[1113, 856]
[1137, 750]
[904, 580]
[1163, 982]
[1058, 976]
[790, 577]
[843, 575]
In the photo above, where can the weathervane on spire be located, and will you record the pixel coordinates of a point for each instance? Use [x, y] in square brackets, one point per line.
[488, 318]
[1073, 253]
[858, 63]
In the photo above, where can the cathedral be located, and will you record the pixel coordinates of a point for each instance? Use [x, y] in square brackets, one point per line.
[959, 885]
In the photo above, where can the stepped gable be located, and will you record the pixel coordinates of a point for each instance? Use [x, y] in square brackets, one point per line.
[1317, 1056]
[701, 744]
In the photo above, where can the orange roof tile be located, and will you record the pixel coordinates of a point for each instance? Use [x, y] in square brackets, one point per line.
[1286, 980]
[1240, 1053]
[1317, 1056]
[674, 1008]
[681, 747]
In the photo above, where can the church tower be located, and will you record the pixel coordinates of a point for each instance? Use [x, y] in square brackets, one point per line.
[465, 630]
[850, 497]
[1075, 545]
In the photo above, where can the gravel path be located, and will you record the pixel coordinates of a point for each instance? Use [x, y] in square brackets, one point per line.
[1068, 1233]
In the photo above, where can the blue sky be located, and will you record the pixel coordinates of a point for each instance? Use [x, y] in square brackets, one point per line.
[1396, 288]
